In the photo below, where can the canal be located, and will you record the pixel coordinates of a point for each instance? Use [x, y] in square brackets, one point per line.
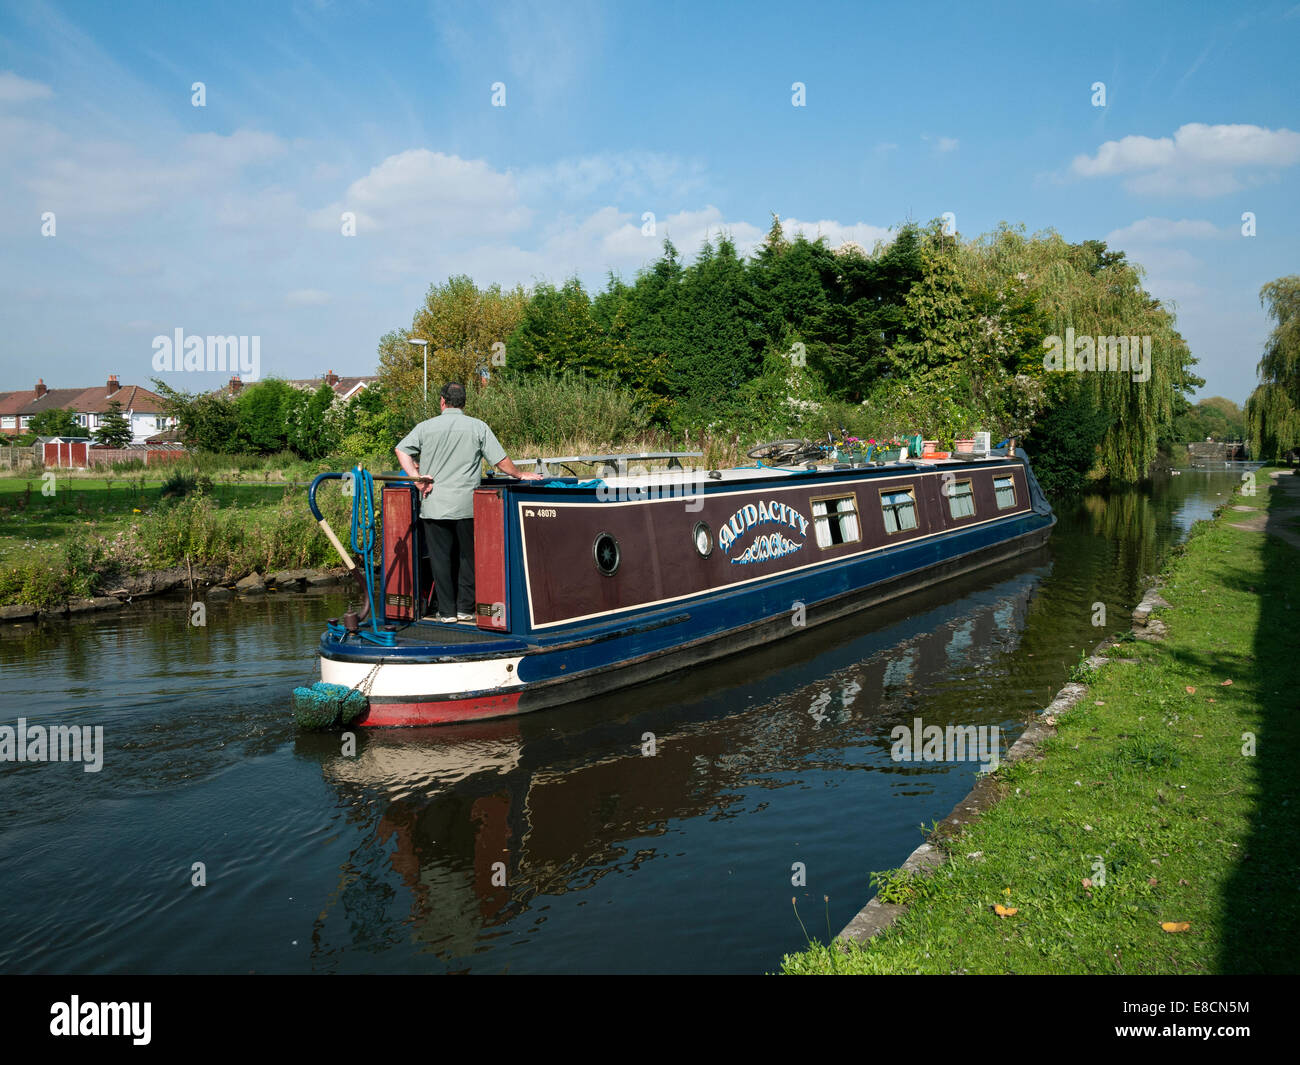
[663, 829]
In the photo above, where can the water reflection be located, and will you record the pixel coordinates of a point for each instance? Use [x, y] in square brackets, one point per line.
[466, 832]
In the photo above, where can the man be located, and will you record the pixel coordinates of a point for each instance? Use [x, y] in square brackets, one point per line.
[451, 448]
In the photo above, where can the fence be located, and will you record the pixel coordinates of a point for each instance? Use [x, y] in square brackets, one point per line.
[16, 458]
[74, 454]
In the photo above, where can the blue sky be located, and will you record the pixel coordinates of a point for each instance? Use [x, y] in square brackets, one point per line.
[226, 219]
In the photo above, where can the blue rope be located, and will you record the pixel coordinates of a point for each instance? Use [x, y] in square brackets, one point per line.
[363, 543]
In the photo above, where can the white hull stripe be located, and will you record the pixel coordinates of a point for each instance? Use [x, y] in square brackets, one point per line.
[397, 678]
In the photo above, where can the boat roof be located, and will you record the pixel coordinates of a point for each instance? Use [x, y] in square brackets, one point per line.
[630, 476]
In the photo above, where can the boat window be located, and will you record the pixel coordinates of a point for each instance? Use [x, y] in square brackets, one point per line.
[703, 536]
[961, 500]
[899, 510]
[1005, 490]
[607, 554]
[836, 520]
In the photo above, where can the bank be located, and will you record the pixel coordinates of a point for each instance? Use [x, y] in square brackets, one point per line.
[93, 547]
[1152, 829]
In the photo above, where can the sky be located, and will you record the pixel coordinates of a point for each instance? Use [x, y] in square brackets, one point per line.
[525, 142]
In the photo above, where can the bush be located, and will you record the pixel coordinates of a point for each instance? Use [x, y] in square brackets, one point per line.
[547, 411]
[178, 484]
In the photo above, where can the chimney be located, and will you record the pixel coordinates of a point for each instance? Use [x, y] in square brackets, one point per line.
[331, 378]
[235, 385]
[40, 388]
[113, 386]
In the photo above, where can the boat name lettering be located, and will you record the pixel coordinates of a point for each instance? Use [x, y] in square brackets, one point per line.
[762, 513]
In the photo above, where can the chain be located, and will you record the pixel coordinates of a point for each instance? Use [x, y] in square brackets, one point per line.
[364, 686]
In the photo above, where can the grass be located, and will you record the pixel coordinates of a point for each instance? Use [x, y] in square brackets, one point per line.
[92, 531]
[1156, 834]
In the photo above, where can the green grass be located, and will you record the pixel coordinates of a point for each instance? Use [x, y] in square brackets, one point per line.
[93, 531]
[1146, 785]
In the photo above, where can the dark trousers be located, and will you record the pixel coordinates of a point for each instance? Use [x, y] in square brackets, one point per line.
[451, 557]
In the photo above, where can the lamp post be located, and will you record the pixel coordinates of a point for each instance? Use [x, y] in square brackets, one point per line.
[425, 345]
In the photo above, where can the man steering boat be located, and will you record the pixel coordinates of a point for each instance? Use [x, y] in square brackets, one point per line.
[450, 450]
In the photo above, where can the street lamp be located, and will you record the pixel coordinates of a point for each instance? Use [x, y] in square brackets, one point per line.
[425, 345]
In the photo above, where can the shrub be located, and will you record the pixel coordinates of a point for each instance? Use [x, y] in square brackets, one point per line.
[548, 410]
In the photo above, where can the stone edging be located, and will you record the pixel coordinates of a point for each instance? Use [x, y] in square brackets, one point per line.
[876, 916]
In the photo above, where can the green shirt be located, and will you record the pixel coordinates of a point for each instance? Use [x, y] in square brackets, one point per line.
[451, 448]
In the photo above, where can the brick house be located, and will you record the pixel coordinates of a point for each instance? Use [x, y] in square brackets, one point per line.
[143, 409]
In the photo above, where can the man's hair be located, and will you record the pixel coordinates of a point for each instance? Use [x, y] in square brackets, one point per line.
[454, 393]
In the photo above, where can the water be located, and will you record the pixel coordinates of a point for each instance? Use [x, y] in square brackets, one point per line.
[548, 843]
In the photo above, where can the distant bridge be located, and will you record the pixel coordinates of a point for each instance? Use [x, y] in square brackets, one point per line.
[1214, 451]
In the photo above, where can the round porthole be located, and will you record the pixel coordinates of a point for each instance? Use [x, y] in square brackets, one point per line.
[703, 539]
[607, 554]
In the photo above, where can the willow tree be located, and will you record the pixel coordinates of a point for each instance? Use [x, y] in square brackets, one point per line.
[1085, 290]
[1273, 410]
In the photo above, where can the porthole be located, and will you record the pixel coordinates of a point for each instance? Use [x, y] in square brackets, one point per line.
[703, 539]
[607, 554]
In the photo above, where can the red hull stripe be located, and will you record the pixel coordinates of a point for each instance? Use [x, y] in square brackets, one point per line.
[439, 711]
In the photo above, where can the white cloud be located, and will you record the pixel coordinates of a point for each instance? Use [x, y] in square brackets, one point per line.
[89, 178]
[307, 297]
[242, 148]
[17, 90]
[1163, 261]
[1160, 230]
[837, 233]
[432, 196]
[1198, 160]
[946, 144]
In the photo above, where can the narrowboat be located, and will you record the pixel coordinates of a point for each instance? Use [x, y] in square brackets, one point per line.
[588, 586]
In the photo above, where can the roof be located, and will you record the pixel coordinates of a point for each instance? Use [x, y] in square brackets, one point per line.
[82, 400]
[343, 387]
[54, 399]
[171, 436]
[132, 397]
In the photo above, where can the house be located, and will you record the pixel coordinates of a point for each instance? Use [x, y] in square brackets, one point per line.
[344, 387]
[143, 409]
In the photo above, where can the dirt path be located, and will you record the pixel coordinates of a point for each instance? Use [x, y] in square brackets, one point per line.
[1277, 520]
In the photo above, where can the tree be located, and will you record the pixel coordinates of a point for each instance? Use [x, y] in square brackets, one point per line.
[1273, 410]
[1095, 293]
[467, 329]
[114, 430]
[311, 432]
[719, 341]
[208, 421]
[866, 315]
[264, 414]
[1215, 417]
[941, 319]
[557, 333]
[54, 422]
